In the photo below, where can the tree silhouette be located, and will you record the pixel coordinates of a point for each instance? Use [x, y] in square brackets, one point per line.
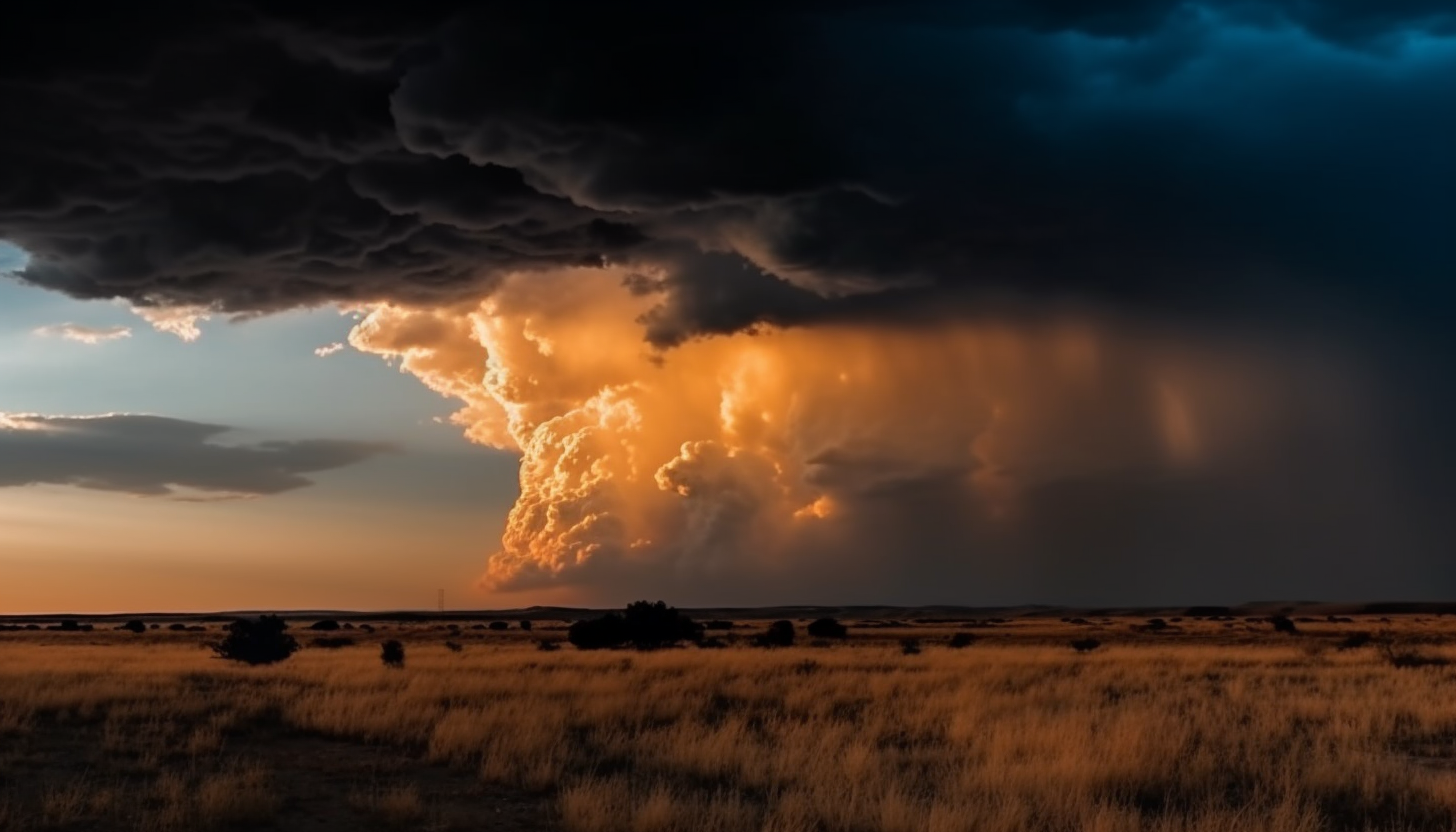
[828, 628]
[644, 625]
[778, 634]
[259, 641]
[392, 654]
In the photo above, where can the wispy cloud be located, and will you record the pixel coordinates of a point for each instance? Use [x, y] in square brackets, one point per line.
[155, 456]
[92, 335]
[326, 351]
[180, 321]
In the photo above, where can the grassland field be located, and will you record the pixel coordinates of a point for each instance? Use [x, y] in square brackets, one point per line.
[1200, 725]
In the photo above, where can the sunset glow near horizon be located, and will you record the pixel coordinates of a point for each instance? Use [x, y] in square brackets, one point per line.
[1149, 306]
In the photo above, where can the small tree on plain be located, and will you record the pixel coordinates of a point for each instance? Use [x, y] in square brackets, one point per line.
[135, 625]
[392, 654]
[598, 633]
[645, 625]
[778, 634]
[260, 641]
[828, 628]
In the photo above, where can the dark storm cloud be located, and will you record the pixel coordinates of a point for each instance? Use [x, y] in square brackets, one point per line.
[153, 456]
[1153, 155]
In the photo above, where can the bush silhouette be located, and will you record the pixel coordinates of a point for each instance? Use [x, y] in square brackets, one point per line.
[1086, 645]
[259, 641]
[499, 625]
[778, 634]
[1156, 624]
[597, 633]
[644, 625]
[327, 624]
[1354, 640]
[910, 646]
[547, 645]
[960, 640]
[392, 654]
[1282, 624]
[658, 625]
[828, 628]
[526, 624]
[134, 625]
[331, 642]
[453, 647]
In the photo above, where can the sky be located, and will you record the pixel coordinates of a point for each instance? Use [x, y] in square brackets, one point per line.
[1133, 302]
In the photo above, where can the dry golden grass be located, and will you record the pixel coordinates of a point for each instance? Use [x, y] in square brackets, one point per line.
[1203, 730]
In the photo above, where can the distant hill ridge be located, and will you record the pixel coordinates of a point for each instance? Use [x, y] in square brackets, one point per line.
[852, 611]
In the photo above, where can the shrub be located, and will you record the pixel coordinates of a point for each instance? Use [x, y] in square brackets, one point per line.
[332, 642]
[1156, 624]
[778, 634]
[910, 646]
[526, 624]
[179, 627]
[547, 645]
[263, 640]
[392, 654]
[1353, 641]
[1086, 645]
[1282, 624]
[960, 640]
[597, 633]
[134, 625]
[645, 625]
[828, 628]
[499, 625]
[328, 624]
[453, 647]
[657, 625]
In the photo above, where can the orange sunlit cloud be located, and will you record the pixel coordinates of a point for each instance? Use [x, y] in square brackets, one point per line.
[740, 451]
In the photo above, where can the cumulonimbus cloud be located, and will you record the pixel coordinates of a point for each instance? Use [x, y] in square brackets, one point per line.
[155, 456]
[1246, 204]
